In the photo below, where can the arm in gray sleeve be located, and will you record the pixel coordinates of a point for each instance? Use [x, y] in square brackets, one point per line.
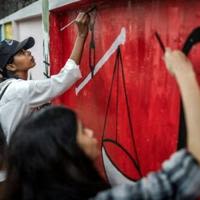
[179, 178]
[42, 91]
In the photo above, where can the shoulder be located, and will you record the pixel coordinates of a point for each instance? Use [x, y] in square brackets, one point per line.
[17, 88]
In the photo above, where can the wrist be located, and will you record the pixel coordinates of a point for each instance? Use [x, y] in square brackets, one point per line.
[186, 81]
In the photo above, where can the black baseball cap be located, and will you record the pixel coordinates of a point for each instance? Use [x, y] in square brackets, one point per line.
[8, 48]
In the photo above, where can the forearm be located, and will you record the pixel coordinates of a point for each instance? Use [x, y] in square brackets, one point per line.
[78, 49]
[191, 101]
[39, 92]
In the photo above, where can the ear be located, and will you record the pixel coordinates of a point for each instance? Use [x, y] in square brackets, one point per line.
[11, 67]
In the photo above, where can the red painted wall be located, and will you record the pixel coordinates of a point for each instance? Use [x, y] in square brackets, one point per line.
[152, 93]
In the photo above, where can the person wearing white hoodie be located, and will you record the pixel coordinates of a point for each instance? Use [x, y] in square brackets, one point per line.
[19, 97]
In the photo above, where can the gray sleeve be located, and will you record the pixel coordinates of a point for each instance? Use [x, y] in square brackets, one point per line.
[179, 178]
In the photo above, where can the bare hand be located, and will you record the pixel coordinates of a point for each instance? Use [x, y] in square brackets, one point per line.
[82, 22]
[177, 63]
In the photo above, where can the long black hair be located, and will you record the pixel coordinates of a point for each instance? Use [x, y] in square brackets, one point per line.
[45, 161]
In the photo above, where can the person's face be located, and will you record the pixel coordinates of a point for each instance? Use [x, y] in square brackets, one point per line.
[87, 142]
[22, 61]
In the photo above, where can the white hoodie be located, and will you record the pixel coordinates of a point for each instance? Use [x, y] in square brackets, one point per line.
[22, 96]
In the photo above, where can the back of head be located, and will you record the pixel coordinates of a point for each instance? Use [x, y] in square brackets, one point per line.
[45, 162]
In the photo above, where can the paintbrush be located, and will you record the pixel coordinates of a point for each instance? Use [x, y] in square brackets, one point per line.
[70, 23]
[160, 42]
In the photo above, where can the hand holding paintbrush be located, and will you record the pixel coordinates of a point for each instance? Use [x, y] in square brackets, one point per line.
[75, 20]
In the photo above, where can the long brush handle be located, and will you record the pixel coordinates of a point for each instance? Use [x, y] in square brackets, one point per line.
[160, 42]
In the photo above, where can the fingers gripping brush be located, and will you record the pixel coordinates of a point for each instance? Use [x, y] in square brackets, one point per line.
[86, 13]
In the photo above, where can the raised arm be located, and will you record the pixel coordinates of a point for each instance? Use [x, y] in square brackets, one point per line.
[40, 91]
[82, 21]
[180, 66]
